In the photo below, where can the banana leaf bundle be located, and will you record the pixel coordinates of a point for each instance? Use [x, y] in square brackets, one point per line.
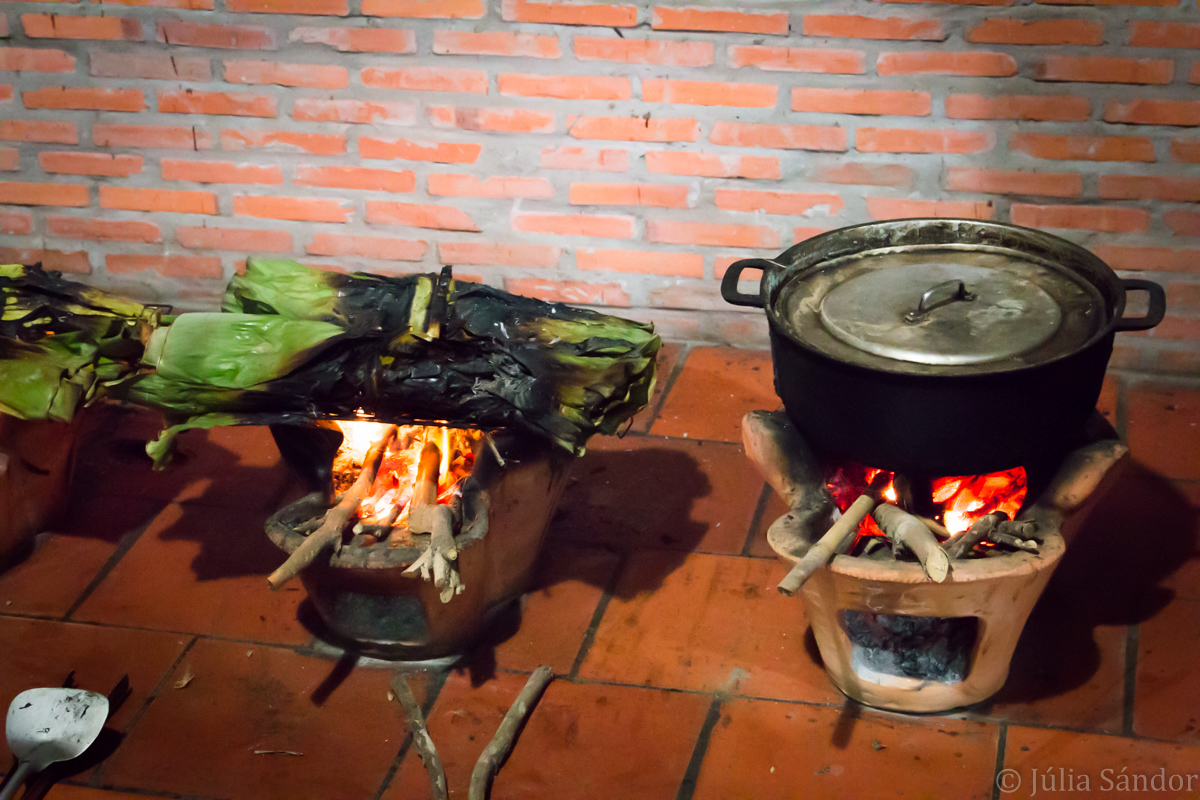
[293, 344]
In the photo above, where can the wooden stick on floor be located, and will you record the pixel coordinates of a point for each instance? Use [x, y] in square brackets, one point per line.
[420, 736]
[501, 744]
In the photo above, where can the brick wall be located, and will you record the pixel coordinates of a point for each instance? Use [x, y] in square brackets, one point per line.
[619, 154]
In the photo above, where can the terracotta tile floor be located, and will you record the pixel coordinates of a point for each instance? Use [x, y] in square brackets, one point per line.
[681, 672]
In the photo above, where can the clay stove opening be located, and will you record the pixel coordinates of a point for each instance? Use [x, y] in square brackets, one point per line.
[888, 646]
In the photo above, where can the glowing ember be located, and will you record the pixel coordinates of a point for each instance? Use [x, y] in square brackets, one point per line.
[960, 500]
[393, 488]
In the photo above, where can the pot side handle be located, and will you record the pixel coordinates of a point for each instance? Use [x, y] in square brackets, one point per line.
[1154, 314]
[733, 274]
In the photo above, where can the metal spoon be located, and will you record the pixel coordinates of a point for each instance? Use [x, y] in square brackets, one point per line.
[45, 726]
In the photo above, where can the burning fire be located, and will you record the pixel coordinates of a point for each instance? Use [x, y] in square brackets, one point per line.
[960, 500]
[390, 495]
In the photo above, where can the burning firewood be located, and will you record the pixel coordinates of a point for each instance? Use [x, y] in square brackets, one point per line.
[329, 535]
[906, 531]
[962, 543]
[426, 515]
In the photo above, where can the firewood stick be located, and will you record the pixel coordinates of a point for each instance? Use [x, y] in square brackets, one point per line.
[426, 515]
[906, 530]
[937, 528]
[1014, 542]
[961, 543]
[825, 547]
[330, 532]
[497, 750]
[420, 736]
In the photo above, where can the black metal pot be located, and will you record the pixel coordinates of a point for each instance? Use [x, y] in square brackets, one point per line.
[1000, 366]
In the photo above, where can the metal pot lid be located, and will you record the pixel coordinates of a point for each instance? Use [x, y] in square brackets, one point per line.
[941, 313]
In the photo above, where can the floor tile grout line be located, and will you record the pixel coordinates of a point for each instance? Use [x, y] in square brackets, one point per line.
[756, 519]
[687, 787]
[124, 545]
[998, 771]
[1131, 660]
[97, 779]
[668, 385]
[438, 680]
[589, 636]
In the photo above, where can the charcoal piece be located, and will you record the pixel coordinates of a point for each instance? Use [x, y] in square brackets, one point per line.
[926, 648]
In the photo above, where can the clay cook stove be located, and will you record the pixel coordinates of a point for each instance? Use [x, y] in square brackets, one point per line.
[447, 527]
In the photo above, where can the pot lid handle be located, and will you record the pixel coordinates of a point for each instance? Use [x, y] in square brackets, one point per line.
[951, 291]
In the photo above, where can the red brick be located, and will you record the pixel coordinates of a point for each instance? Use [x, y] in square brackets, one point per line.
[28, 59]
[6, 92]
[226, 37]
[1183, 296]
[15, 223]
[635, 129]
[959, 2]
[1153, 112]
[76, 262]
[577, 292]
[90, 164]
[1153, 259]
[798, 59]
[425, 9]
[1182, 328]
[682, 265]
[376, 247]
[898, 208]
[1105, 69]
[644, 51]
[893, 140]
[357, 178]
[977, 64]
[125, 198]
[152, 136]
[1177, 361]
[853, 26]
[491, 254]
[865, 174]
[438, 152]
[1181, 222]
[174, 169]
[712, 234]
[318, 144]
[188, 101]
[428, 79]
[790, 203]
[238, 239]
[66, 26]
[316, 109]
[189, 5]
[14, 130]
[1146, 33]
[504, 120]
[711, 165]
[1083, 148]
[300, 209]
[446, 218]
[1054, 31]
[1194, 75]
[103, 230]
[565, 87]
[605, 15]
[359, 40]
[707, 19]
[495, 43]
[1091, 218]
[1003, 181]
[3, 27]
[43, 194]
[63, 97]
[1056, 108]
[10, 159]
[167, 266]
[1186, 150]
[1148, 187]
[605, 227]
[329, 8]
[858, 101]
[628, 194]
[316, 76]
[584, 158]
[709, 93]
[458, 185]
[780, 137]
[149, 66]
